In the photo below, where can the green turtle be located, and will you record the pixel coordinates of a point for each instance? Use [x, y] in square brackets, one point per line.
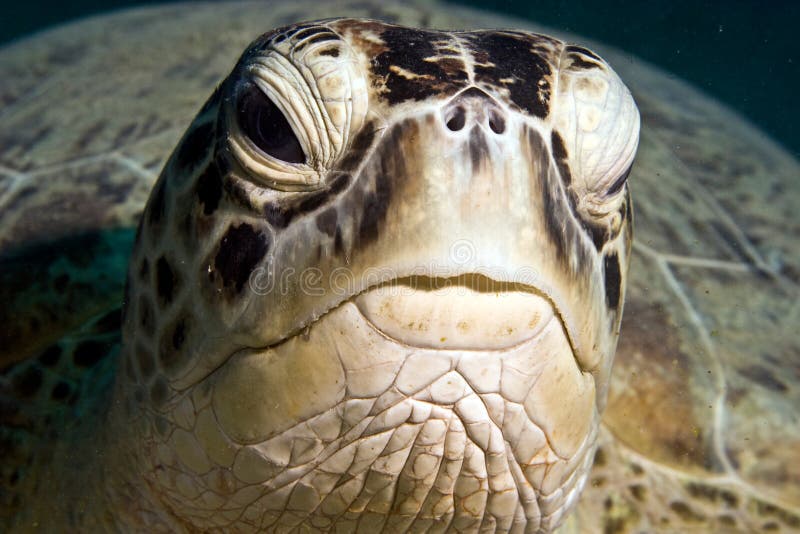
[379, 281]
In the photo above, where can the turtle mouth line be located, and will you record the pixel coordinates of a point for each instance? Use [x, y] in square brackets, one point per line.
[465, 312]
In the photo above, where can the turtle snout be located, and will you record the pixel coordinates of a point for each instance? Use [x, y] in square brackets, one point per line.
[474, 107]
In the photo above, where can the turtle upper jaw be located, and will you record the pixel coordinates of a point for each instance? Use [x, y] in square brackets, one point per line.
[467, 312]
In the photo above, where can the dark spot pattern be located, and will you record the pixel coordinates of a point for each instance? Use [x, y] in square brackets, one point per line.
[362, 142]
[598, 233]
[327, 220]
[27, 383]
[277, 216]
[110, 322]
[638, 492]
[561, 157]
[560, 221]
[195, 146]
[50, 356]
[338, 243]
[389, 166]
[281, 214]
[145, 362]
[165, 280]
[89, 352]
[613, 280]
[600, 459]
[332, 52]
[123, 134]
[60, 391]
[90, 134]
[509, 61]
[179, 334]
[209, 188]
[763, 377]
[146, 316]
[240, 250]
[686, 513]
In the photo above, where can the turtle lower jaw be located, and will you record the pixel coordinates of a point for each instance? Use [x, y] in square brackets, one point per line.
[468, 312]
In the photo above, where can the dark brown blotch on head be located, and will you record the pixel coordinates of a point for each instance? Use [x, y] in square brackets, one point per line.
[166, 280]
[561, 157]
[509, 61]
[327, 221]
[389, 169]
[415, 51]
[170, 354]
[362, 142]
[338, 242]
[240, 250]
[209, 188]
[277, 216]
[89, 352]
[561, 222]
[280, 215]
[195, 146]
[613, 280]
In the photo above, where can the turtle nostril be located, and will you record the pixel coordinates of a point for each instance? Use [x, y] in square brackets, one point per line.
[457, 120]
[497, 123]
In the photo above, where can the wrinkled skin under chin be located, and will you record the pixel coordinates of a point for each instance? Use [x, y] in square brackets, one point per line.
[392, 436]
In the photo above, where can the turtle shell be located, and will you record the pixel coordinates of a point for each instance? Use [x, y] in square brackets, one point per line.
[702, 423]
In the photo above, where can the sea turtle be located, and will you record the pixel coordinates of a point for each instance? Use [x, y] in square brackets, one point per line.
[396, 149]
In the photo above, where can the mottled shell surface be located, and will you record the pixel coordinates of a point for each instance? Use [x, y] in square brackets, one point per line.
[702, 426]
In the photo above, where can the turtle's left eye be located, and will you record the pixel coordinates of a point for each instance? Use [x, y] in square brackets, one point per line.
[267, 127]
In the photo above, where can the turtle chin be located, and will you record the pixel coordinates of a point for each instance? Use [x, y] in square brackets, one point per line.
[461, 416]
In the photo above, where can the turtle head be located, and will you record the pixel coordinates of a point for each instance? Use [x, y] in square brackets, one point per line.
[382, 277]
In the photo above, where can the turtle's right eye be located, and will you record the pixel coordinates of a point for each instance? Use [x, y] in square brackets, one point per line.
[266, 126]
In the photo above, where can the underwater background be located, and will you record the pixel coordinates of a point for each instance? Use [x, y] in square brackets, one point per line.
[744, 53]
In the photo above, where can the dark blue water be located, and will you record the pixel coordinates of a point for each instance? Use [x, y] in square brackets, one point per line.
[745, 53]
